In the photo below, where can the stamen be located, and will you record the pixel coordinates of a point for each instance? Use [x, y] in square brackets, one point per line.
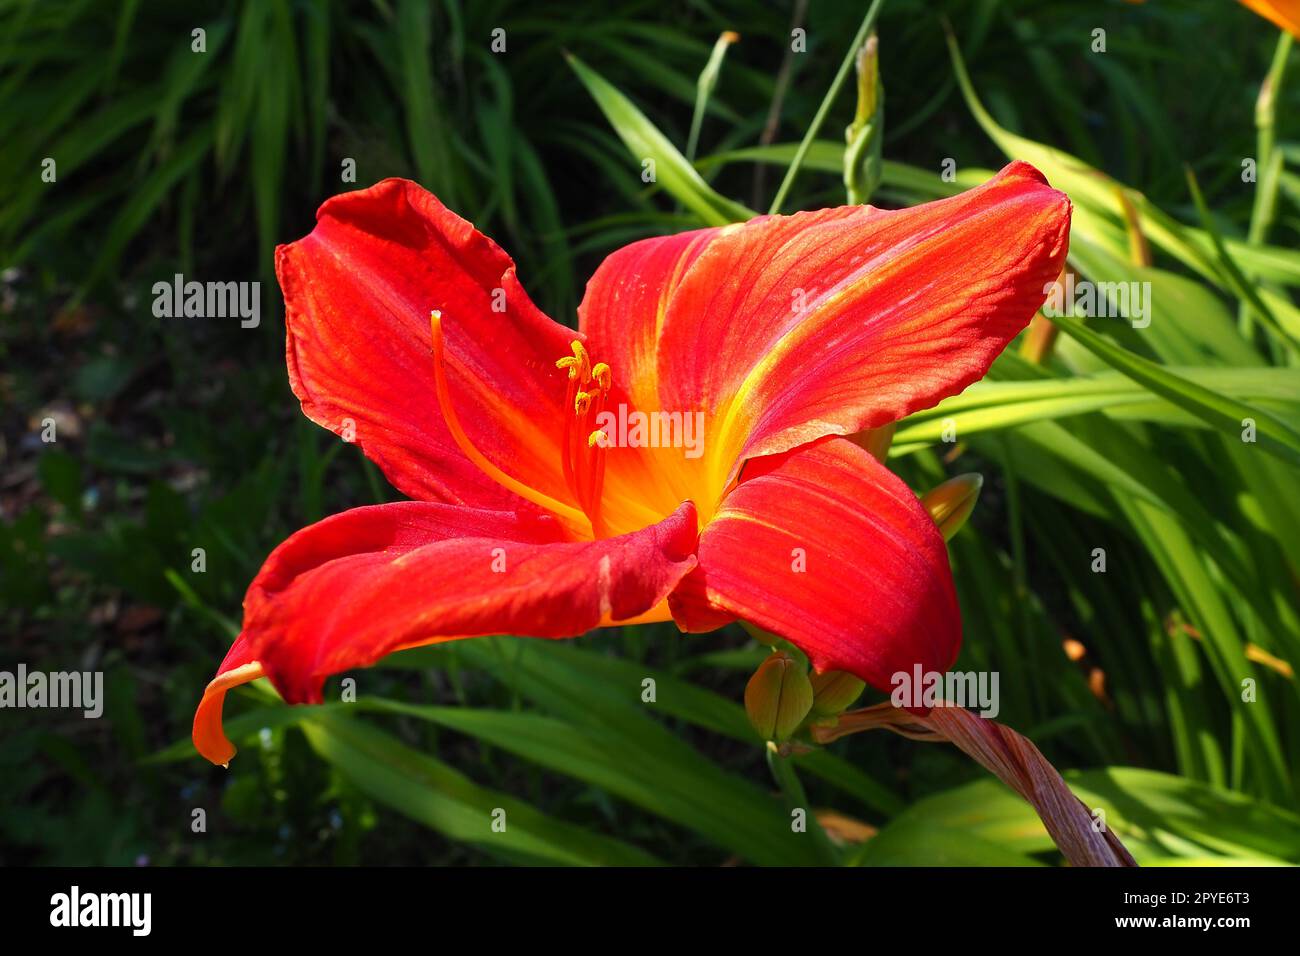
[584, 463]
[568, 512]
[579, 365]
[566, 441]
[596, 487]
[596, 456]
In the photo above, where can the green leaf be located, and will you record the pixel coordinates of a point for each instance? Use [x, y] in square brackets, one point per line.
[1159, 817]
[663, 777]
[1098, 207]
[1225, 414]
[581, 685]
[994, 405]
[429, 791]
[646, 142]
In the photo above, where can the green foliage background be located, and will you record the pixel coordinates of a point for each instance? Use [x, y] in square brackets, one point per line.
[177, 434]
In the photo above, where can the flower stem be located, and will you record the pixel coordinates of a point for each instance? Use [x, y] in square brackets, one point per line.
[795, 799]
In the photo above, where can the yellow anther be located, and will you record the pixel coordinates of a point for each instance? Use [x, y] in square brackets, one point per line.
[584, 361]
[598, 437]
[578, 364]
[582, 402]
[602, 375]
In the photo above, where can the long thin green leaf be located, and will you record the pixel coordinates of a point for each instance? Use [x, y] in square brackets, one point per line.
[648, 145]
[1226, 414]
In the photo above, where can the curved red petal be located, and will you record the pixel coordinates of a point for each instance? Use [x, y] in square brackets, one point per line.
[622, 311]
[794, 327]
[237, 668]
[345, 592]
[827, 548]
[358, 292]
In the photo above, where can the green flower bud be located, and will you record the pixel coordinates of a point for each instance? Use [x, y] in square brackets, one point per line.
[834, 692]
[875, 441]
[951, 503]
[778, 697]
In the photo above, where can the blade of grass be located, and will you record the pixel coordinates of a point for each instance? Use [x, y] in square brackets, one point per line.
[646, 143]
[1225, 414]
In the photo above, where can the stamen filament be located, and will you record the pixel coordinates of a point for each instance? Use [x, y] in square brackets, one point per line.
[583, 451]
[566, 441]
[596, 455]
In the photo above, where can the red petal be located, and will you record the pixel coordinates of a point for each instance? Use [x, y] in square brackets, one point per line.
[875, 595]
[345, 592]
[899, 309]
[623, 309]
[358, 292]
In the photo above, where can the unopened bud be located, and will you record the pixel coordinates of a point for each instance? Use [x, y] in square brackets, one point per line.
[951, 503]
[863, 137]
[834, 692]
[868, 64]
[778, 697]
[875, 441]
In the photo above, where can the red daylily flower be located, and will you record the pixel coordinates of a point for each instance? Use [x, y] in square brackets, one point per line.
[784, 333]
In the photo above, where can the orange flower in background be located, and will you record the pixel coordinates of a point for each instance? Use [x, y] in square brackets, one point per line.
[547, 498]
[1285, 13]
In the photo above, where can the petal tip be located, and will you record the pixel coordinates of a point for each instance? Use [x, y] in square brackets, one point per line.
[1021, 170]
[208, 735]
